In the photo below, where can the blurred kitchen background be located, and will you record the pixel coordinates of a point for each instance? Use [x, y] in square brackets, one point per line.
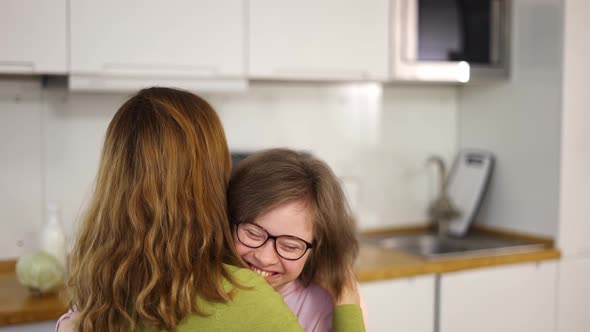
[337, 78]
[375, 138]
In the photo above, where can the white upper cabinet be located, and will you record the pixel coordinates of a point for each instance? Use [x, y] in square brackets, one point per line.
[319, 40]
[400, 305]
[514, 298]
[149, 38]
[33, 37]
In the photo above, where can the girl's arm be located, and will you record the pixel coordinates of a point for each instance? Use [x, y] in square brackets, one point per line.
[347, 315]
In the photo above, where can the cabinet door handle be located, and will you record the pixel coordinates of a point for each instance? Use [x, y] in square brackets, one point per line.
[322, 73]
[133, 69]
[17, 67]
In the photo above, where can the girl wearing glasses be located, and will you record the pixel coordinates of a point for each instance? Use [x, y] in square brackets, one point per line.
[292, 226]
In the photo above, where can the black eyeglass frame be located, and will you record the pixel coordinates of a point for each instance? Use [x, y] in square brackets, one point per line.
[274, 238]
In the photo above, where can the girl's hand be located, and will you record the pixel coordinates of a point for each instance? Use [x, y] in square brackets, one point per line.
[349, 294]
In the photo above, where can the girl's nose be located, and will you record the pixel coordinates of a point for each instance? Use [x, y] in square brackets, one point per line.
[267, 255]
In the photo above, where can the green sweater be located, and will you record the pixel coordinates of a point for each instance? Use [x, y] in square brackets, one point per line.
[260, 309]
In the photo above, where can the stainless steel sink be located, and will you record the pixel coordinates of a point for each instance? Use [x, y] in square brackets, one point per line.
[430, 246]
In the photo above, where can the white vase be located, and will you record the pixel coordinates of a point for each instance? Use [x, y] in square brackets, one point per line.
[53, 239]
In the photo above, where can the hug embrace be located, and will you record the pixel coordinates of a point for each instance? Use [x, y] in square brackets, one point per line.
[170, 242]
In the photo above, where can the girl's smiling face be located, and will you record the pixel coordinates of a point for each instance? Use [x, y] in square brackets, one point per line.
[292, 218]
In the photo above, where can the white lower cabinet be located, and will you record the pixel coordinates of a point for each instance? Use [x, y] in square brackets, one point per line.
[514, 298]
[400, 304]
[574, 295]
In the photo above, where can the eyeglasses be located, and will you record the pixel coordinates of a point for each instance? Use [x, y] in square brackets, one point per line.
[288, 247]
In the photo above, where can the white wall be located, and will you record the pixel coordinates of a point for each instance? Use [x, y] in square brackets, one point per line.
[375, 139]
[520, 122]
[20, 164]
[376, 143]
[574, 226]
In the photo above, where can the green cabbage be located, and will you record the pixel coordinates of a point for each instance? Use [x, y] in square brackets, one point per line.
[40, 272]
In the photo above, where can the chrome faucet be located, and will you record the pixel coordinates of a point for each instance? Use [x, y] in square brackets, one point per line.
[441, 210]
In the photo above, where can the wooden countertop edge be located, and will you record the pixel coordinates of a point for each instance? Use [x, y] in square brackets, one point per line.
[31, 310]
[424, 267]
[30, 316]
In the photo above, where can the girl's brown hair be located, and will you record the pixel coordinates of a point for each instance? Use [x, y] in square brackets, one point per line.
[271, 178]
[156, 231]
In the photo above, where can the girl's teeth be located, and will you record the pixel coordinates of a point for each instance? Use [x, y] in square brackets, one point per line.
[262, 273]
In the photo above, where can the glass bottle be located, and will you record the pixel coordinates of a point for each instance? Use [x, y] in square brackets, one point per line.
[53, 239]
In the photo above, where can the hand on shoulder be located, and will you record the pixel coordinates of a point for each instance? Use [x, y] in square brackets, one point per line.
[349, 293]
[68, 324]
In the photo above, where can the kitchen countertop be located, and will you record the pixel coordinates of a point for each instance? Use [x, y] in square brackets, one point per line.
[17, 305]
[376, 263]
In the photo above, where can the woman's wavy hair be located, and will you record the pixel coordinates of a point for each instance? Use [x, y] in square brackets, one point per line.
[156, 232]
[268, 179]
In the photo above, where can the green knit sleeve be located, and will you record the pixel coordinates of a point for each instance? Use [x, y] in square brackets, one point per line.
[348, 318]
[257, 309]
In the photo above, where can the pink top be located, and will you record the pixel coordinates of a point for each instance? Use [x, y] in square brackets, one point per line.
[312, 305]
[65, 319]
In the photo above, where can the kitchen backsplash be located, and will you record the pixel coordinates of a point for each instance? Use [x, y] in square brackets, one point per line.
[375, 138]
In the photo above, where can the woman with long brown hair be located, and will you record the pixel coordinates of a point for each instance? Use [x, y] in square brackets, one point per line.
[154, 249]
